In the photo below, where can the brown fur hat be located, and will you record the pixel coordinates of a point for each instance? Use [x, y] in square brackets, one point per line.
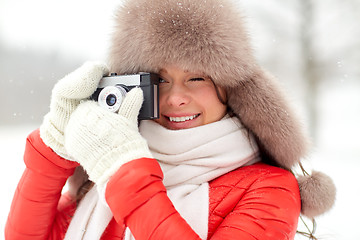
[209, 36]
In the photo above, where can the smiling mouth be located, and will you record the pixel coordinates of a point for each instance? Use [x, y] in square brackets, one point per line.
[183, 119]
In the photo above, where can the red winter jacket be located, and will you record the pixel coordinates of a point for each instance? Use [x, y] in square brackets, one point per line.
[252, 202]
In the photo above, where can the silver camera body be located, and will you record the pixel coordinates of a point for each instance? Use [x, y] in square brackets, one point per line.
[112, 89]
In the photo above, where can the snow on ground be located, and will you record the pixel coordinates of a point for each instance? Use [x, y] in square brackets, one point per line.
[337, 154]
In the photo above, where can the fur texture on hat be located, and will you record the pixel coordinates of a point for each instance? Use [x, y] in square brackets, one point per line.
[196, 35]
[209, 36]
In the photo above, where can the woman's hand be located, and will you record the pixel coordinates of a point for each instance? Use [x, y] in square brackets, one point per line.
[66, 96]
[102, 141]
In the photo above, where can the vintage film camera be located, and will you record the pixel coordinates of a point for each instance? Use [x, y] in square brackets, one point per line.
[112, 89]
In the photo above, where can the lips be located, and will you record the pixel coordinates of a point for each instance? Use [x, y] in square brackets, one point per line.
[183, 118]
[177, 121]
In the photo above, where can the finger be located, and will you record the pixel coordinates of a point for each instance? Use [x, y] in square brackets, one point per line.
[132, 103]
[83, 82]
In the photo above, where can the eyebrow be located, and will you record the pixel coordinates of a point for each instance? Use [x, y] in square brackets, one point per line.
[162, 70]
[186, 71]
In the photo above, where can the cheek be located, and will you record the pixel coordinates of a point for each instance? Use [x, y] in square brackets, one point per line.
[162, 106]
[212, 105]
[208, 95]
[162, 96]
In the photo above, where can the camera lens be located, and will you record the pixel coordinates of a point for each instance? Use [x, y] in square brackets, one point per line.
[111, 99]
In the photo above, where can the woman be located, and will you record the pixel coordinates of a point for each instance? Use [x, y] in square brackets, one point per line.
[215, 165]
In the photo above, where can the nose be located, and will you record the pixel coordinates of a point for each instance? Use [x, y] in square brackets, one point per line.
[178, 96]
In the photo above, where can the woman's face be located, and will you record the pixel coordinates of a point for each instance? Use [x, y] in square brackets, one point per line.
[188, 99]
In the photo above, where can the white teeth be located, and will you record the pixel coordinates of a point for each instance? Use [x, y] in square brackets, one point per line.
[182, 119]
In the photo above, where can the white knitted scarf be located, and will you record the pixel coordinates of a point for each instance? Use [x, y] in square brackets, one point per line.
[189, 158]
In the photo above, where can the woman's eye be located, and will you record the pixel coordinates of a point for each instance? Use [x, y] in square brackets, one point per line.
[197, 79]
[162, 80]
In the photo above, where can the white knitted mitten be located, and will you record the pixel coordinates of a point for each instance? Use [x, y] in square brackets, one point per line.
[101, 141]
[66, 96]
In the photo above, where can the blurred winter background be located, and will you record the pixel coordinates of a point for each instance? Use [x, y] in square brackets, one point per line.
[312, 47]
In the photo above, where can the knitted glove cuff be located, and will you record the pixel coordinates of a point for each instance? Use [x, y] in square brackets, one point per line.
[112, 161]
